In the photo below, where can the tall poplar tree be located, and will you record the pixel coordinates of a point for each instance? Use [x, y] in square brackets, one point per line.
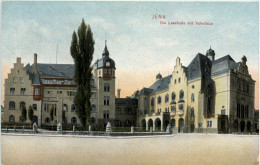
[81, 50]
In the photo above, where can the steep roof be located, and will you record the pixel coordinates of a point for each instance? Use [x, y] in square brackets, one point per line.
[161, 85]
[200, 66]
[222, 65]
[145, 91]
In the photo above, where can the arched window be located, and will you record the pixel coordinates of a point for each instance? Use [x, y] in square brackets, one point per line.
[179, 80]
[73, 107]
[181, 107]
[175, 81]
[181, 94]
[11, 119]
[159, 100]
[22, 104]
[166, 97]
[152, 101]
[73, 120]
[11, 105]
[173, 96]
[192, 97]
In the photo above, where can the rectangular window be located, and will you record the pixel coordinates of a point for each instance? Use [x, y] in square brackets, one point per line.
[223, 112]
[15, 79]
[200, 125]
[106, 87]
[23, 91]
[21, 79]
[105, 71]
[35, 107]
[209, 124]
[109, 71]
[65, 107]
[106, 114]
[12, 91]
[70, 93]
[36, 91]
[59, 92]
[106, 100]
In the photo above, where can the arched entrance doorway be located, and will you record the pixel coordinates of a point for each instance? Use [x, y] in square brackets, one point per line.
[242, 126]
[173, 123]
[248, 126]
[158, 124]
[150, 123]
[181, 125]
[165, 124]
[235, 126]
[143, 124]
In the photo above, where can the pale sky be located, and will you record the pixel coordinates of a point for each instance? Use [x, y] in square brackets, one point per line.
[140, 46]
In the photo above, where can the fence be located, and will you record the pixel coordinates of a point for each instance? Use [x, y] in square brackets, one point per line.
[112, 131]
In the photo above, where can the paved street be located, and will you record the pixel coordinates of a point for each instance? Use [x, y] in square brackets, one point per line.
[174, 149]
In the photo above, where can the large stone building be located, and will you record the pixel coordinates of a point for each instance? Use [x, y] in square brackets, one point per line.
[46, 86]
[206, 96]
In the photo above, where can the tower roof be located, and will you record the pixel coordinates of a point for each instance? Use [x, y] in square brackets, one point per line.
[210, 51]
[105, 52]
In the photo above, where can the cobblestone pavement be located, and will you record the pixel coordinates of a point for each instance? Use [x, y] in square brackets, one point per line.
[168, 149]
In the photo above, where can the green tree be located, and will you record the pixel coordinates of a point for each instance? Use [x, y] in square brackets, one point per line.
[30, 113]
[24, 113]
[81, 50]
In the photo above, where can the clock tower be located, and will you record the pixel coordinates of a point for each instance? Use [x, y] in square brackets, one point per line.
[104, 76]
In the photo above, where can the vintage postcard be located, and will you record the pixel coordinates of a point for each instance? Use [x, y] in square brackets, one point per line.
[118, 82]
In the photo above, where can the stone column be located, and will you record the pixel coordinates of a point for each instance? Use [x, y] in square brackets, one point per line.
[151, 129]
[59, 128]
[73, 128]
[35, 128]
[108, 128]
[89, 129]
[132, 129]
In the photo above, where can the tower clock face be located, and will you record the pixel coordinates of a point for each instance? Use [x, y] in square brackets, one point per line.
[107, 63]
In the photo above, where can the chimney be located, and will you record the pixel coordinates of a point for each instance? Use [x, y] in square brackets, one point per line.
[118, 93]
[18, 60]
[35, 64]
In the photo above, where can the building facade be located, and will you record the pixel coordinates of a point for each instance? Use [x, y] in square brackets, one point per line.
[206, 96]
[51, 86]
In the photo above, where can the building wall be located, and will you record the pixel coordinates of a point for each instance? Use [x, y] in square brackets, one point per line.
[18, 71]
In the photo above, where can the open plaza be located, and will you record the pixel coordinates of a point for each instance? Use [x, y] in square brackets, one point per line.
[164, 149]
